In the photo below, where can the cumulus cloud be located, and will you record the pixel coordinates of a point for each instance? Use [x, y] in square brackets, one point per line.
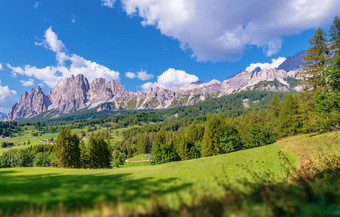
[28, 83]
[7, 98]
[130, 75]
[1, 67]
[142, 75]
[219, 30]
[171, 78]
[274, 64]
[67, 64]
[51, 41]
[108, 3]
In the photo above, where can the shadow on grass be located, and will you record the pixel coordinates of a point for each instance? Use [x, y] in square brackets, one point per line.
[46, 191]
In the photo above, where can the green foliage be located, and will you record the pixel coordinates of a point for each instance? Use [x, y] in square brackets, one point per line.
[289, 117]
[229, 139]
[211, 141]
[163, 153]
[315, 60]
[66, 150]
[334, 34]
[118, 158]
[261, 135]
[98, 152]
[275, 106]
[39, 155]
[42, 159]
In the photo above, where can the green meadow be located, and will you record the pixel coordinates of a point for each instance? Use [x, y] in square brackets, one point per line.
[134, 185]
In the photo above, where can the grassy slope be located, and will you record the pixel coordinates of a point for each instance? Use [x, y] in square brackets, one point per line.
[26, 135]
[135, 186]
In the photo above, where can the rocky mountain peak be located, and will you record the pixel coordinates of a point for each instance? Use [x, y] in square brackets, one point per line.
[69, 94]
[74, 93]
[29, 104]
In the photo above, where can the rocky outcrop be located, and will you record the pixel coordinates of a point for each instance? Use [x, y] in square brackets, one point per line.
[74, 93]
[69, 94]
[29, 104]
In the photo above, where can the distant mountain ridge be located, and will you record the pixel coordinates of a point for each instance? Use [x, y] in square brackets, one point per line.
[76, 92]
[2, 116]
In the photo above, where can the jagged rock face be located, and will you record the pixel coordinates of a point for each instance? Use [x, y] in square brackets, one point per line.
[246, 79]
[29, 104]
[74, 93]
[69, 94]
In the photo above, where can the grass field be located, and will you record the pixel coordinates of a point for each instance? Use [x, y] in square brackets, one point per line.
[20, 140]
[172, 183]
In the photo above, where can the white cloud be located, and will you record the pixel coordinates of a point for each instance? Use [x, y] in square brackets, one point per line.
[108, 3]
[171, 78]
[28, 83]
[144, 76]
[1, 67]
[218, 30]
[7, 98]
[147, 85]
[274, 64]
[36, 5]
[51, 41]
[130, 75]
[75, 65]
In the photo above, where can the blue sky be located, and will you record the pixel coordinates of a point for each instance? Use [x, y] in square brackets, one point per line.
[145, 43]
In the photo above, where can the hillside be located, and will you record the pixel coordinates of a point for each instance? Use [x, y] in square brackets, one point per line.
[171, 183]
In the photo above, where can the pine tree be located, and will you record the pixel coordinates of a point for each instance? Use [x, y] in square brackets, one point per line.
[210, 144]
[289, 117]
[315, 60]
[99, 154]
[275, 106]
[333, 69]
[66, 149]
[334, 34]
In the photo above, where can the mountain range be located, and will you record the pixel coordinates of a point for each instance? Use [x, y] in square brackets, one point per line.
[76, 92]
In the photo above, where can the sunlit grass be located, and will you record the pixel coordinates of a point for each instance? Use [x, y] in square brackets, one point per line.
[173, 183]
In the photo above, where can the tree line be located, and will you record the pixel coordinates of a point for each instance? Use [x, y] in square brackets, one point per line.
[68, 151]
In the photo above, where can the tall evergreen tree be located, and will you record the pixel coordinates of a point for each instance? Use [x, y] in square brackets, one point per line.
[334, 34]
[211, 141]
[333, 69]
[315, 60]
[99, 153]
[274, 110]
[289, 117]
[66, 149]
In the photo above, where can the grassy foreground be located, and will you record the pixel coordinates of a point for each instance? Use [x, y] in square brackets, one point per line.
[172, 183]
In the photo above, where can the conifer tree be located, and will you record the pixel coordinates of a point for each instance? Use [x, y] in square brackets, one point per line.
[275, 106]
[210, 144]
[333, 69]
[66, 149]
[334, 34]
[289, 117]
[99, 154]
[315, 60]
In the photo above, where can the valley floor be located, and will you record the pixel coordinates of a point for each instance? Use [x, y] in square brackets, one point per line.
[175, 183]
